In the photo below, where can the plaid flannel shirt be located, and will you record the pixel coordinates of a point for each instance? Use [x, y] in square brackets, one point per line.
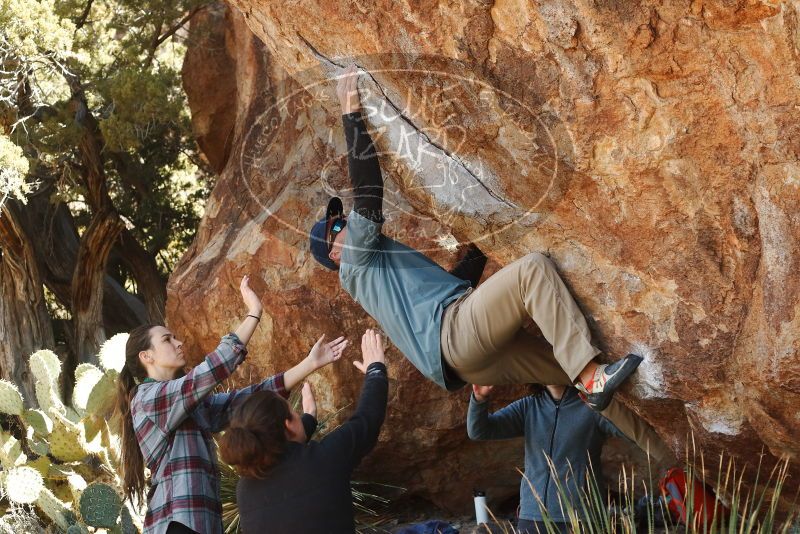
[174, 421]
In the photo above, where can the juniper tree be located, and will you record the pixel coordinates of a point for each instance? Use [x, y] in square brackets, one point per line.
[99, 176]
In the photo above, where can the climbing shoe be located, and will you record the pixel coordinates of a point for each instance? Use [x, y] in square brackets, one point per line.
[607, 378]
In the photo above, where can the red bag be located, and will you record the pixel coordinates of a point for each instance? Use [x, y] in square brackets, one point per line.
[705, 506]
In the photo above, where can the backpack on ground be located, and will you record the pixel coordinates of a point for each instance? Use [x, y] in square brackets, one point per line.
[699, 501]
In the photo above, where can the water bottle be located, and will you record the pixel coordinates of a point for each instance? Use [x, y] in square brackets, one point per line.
[481, 512]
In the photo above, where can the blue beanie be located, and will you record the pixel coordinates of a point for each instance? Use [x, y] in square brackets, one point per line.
[318, 238]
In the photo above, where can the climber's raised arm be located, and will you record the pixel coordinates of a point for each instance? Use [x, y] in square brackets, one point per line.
[362, 160]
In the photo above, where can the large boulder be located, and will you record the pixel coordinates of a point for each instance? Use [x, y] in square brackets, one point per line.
[651, 150]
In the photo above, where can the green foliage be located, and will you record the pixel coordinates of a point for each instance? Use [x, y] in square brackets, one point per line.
[13, 171]
[124, 58]
[31, 28]
[159, 103]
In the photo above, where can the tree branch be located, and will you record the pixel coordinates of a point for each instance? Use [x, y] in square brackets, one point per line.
[166, 35]
[85, 15]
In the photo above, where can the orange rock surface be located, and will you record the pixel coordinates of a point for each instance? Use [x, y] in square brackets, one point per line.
[651, 150]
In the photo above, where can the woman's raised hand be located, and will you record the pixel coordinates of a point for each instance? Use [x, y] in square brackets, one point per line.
[309, 402]
[249, 297]
[371, 350]
[481, 393]
[347, 90]
[324, 353]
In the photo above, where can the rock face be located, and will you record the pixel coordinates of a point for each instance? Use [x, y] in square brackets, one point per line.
[651, 150]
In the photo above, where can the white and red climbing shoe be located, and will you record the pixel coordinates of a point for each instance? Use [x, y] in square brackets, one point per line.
[606, 380]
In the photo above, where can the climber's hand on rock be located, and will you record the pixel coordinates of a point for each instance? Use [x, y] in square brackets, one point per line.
[482, 393]
[347, 90]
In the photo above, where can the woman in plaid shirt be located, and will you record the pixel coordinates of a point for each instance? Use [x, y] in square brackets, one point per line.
[168, 418]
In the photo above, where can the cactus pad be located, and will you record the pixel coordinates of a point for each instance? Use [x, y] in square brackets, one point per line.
[85, 382]
[41, 464]
[10, 398]
[11, 454]
[76, 485]
[23, 485]
[48, 399]
[39, 447]
[100, 505]
[126, 521]
[39, 421]
[77, 528]
[101, 398]
[92, 425]
[56, 510]
[112, 353]
[83, 368]
[45, 366]
[67, 442]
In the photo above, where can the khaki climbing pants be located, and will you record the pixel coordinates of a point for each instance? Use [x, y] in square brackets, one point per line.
[484, 343]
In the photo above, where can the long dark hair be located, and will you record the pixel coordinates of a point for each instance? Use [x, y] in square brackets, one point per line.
[133, 481]
[256, 437]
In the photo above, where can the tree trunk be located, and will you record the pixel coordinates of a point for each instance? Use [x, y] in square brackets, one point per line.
[87, 285]
[57, 250]
[144, 269]
[25, 325]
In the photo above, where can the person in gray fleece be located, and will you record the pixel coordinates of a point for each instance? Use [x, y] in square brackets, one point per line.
[556, 423]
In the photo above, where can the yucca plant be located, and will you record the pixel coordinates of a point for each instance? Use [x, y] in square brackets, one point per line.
[751, 511]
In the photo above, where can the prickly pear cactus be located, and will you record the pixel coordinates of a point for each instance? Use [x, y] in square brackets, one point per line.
[101, 397]
[126, 523]
[57, 511]
[11, 454]
[83, 368]
[67, 442]
[92, 425]
[45, 366]
[41, 464]
[100, 505]
[112, 353]
[39, 447]
[48, 399]
[71, 446]
[86, 377]
[77, 528]
[39, 421]
[10, 398]
[76, 485]
[23, 485]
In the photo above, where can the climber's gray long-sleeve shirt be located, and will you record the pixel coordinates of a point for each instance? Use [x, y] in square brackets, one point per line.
[568, 431]
[401, 288]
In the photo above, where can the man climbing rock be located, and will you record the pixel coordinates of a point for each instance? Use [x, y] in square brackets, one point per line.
[454, 334]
